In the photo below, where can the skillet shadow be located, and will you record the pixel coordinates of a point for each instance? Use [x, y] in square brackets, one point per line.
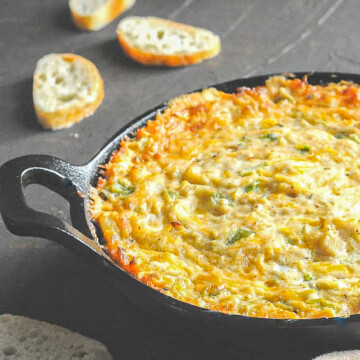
[62, 20]
[52, 284]
[189, 338]
[22, 121]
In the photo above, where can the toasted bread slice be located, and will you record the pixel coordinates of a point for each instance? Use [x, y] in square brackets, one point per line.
[340, 355]
[154, 41]
[66, 89]
[95, 14]
[26, 339]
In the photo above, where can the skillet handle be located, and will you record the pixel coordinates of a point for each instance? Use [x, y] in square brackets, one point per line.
[65, 179]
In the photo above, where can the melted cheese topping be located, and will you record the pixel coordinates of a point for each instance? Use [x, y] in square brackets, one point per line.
[243, 203]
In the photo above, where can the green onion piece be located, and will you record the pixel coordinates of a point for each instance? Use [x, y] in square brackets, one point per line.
[322, 303]
[215, 293]
[246, 173]
[171, 194]
[303, 148]
[269, 136]
[121, 189]
[212, 290]
[340, 136]
[355, 137]
[308, 277]
[239, 234]
[254, 187]
[251, 170]
[245, 139]
[288, 241]
[218, 196]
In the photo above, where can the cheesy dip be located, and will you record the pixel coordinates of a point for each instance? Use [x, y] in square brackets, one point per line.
[245, 203]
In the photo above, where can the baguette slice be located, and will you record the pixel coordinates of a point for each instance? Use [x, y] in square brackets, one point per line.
[26, 339]
[154, 41]
[66, 89]
[95, 14]
[340, 355]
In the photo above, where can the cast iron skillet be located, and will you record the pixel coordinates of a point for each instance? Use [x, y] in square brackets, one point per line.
[73, 182]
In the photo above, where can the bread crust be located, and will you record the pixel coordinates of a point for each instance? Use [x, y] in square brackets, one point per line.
[150, 58]
[340, 355]
[65, 118]
[102, 17]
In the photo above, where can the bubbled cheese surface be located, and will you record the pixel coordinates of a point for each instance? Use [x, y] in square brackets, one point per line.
[243, 203]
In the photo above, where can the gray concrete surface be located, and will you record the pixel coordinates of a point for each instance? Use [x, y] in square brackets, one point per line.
[43, 280]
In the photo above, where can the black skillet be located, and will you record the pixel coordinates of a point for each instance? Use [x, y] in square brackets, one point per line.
[73, 183]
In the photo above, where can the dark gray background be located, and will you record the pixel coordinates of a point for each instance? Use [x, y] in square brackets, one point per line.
[43, 280]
